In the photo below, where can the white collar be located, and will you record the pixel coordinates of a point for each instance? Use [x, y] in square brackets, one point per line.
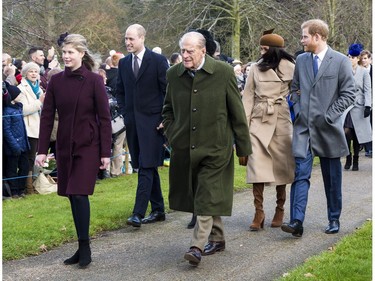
[322, 54]
[140, 55]
[202, 63]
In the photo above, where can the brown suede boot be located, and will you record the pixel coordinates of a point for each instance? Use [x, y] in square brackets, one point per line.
[258, 221]
[29, 184]
[279, 211]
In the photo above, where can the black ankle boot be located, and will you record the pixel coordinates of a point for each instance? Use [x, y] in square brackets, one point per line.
[73, 259]
[348, 162]
[355, 163]
[84, 253]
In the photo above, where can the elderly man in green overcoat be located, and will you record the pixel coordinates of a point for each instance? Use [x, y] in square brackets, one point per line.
[203, 117]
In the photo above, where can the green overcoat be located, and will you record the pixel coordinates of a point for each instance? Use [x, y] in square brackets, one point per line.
[203, 117]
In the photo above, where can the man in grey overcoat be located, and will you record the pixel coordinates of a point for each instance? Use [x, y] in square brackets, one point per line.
[203, 117]
[322, 89]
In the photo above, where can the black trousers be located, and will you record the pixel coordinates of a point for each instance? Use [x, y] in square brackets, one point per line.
[148, 189]
[16, 168]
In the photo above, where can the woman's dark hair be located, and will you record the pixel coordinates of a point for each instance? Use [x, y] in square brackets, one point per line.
[271, 59]
[18, 64]
[174, 57]
[60, 40]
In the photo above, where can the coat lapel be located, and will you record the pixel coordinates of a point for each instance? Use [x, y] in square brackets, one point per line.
[145, 62]
[309, 65]
[128, 64]
[324, 65]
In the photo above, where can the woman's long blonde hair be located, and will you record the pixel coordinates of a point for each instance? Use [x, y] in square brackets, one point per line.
[80, 44]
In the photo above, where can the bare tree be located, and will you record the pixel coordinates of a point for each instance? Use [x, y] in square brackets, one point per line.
[40, 22]
[236, 24]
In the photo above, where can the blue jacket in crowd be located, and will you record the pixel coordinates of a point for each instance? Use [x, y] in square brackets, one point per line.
[14, 130]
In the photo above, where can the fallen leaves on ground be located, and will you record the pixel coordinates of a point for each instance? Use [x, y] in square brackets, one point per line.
[43, 248]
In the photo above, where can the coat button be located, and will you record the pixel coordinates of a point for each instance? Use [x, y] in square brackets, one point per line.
[195, 91]
[193, 147]
[194, 128]
[194, 109]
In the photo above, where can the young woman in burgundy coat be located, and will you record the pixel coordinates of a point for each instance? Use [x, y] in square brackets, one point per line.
[84, 134]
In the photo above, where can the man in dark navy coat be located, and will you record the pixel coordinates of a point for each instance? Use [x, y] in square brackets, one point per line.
[141, 87]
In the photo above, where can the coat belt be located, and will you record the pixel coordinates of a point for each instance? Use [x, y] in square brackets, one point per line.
[270, 106]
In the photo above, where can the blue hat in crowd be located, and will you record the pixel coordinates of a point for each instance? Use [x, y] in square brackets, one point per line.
[355, 49]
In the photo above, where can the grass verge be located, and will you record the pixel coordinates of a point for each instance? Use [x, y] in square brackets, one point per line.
[350, 259]
[37, 223]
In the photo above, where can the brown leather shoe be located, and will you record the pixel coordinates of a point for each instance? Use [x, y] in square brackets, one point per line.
[194, 256]
[212, 247]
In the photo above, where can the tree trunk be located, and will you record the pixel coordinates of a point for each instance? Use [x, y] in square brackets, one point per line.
[236, 35]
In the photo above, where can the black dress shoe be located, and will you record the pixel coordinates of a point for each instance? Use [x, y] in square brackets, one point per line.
[333, 227]
[192, 222]
[135, 220]
[212, 247]
[295, 227]
[154, 217]
[194, 256]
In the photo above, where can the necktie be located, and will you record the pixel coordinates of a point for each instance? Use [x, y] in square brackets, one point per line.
[135, 66]
[191, 73]
[315, 65]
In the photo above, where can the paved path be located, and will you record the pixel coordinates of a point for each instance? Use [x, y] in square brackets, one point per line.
[155, 252]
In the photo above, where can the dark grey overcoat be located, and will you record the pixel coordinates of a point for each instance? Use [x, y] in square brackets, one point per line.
[320, 103]
[203, 117]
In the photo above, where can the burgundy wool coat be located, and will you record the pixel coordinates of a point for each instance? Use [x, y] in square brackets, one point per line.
[84, 131]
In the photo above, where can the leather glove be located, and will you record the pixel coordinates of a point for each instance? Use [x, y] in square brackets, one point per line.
[243, 160]
[367, 111]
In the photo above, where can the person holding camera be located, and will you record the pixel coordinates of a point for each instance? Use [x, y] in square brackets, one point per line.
[118, 133]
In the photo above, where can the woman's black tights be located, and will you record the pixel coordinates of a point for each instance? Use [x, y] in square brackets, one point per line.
[350, 135]
[81, 215]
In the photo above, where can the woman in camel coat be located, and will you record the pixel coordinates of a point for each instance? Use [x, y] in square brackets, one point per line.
[270, 126]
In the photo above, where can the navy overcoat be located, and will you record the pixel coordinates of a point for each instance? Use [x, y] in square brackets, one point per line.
[141, 101]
